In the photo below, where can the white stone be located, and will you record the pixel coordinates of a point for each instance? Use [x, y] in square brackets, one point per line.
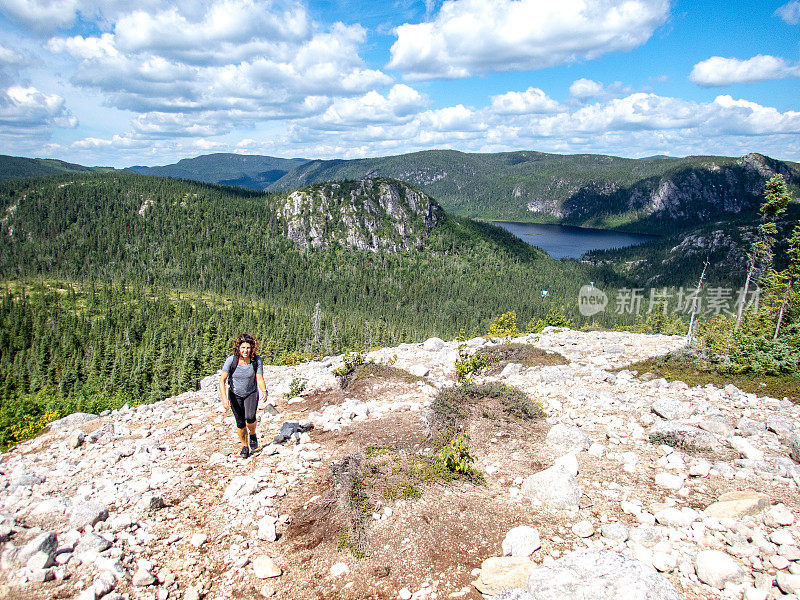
[198, 539]
[670, 480]
[265, 568]
[583, 529]
[715, 568]
[339, 569]
[521, 541]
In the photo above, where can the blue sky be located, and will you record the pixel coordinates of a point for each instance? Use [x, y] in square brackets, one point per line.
[100, 82]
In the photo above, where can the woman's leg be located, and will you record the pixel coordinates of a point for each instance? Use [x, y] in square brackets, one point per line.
[250, 407]
[238, 410]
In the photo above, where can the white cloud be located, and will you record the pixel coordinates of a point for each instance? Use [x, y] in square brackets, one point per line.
[242, 59]
[585, 88]
[790, 12]
[10, 57]
[480, 36]
[719, 71]
[639, 124]
[85, 48]
[229, 32]
[41, 15]
[531, 101]
[397, 106]
[30, 109]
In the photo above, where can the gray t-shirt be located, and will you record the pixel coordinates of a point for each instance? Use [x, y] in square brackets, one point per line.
[243, 382]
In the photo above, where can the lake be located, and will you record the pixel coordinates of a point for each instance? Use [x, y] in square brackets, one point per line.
[564, 241]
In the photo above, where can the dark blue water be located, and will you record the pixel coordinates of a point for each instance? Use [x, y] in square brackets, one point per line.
[564, 241]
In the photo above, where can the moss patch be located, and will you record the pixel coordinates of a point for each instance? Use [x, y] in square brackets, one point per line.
[683, 367]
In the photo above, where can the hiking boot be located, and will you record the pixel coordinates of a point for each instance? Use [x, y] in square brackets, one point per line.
[253, 441]
[244, 452]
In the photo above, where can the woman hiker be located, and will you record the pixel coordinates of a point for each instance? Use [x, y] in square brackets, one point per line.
[245, 369]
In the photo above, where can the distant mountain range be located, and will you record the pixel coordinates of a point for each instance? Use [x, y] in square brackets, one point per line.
[654, 194]
[253, 172]
[12, 167]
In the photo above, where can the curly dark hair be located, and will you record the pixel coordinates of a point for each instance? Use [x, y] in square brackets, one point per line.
[245, 338]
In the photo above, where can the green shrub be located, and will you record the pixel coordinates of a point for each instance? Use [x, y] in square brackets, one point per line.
[470, 364]
[555, 318]
[296, 387]
[504, 326]
[456, 458]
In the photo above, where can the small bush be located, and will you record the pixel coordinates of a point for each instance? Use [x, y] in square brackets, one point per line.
[470, 364]
[345, 373]
[555, 318]
[296, 387]
[504, 326]
[456, 458]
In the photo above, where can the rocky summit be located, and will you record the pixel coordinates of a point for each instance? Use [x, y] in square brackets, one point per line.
[630, 487]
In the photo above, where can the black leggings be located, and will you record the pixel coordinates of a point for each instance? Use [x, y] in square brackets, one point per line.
[244, 409]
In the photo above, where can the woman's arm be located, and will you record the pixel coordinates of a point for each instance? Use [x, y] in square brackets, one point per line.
[261, 385]
[223, 395]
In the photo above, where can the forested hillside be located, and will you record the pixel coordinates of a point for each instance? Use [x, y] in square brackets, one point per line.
[17, 166]
[645, 195]
[163, 272]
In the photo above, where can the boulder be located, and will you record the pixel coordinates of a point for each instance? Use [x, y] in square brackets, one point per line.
[788, 583]
[781, 425]
[793, 442]
[555, 487]
[717, 424]
[745, 448]
[735, 505]
[71, 421]
[583, 529]
[288, 429]
[672, 409]
[748, 426]
[593, 575]
[715, 568]
[501, 572]
[521, 541]
[513, 594]
[46, 542]
[87, 513]
[265, 567]
[419, 370]
[241, 486]
[566, 436]
[433, 344]
[681, 436]
[92, 543]
[617, 532]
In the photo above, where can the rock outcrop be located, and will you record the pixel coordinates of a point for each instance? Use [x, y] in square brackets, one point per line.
[154, 503]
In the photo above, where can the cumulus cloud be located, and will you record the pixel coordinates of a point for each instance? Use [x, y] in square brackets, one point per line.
[531, 101]
[41, 15]
[637, 124]
[243, 59]
[585, 88]
[398, 106]
[480, 36]
[230, 31]
[790, 12]
[30, 109]
[719, 71]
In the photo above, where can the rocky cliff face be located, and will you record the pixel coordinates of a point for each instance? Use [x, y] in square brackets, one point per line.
[691, 195]
[370, 214]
